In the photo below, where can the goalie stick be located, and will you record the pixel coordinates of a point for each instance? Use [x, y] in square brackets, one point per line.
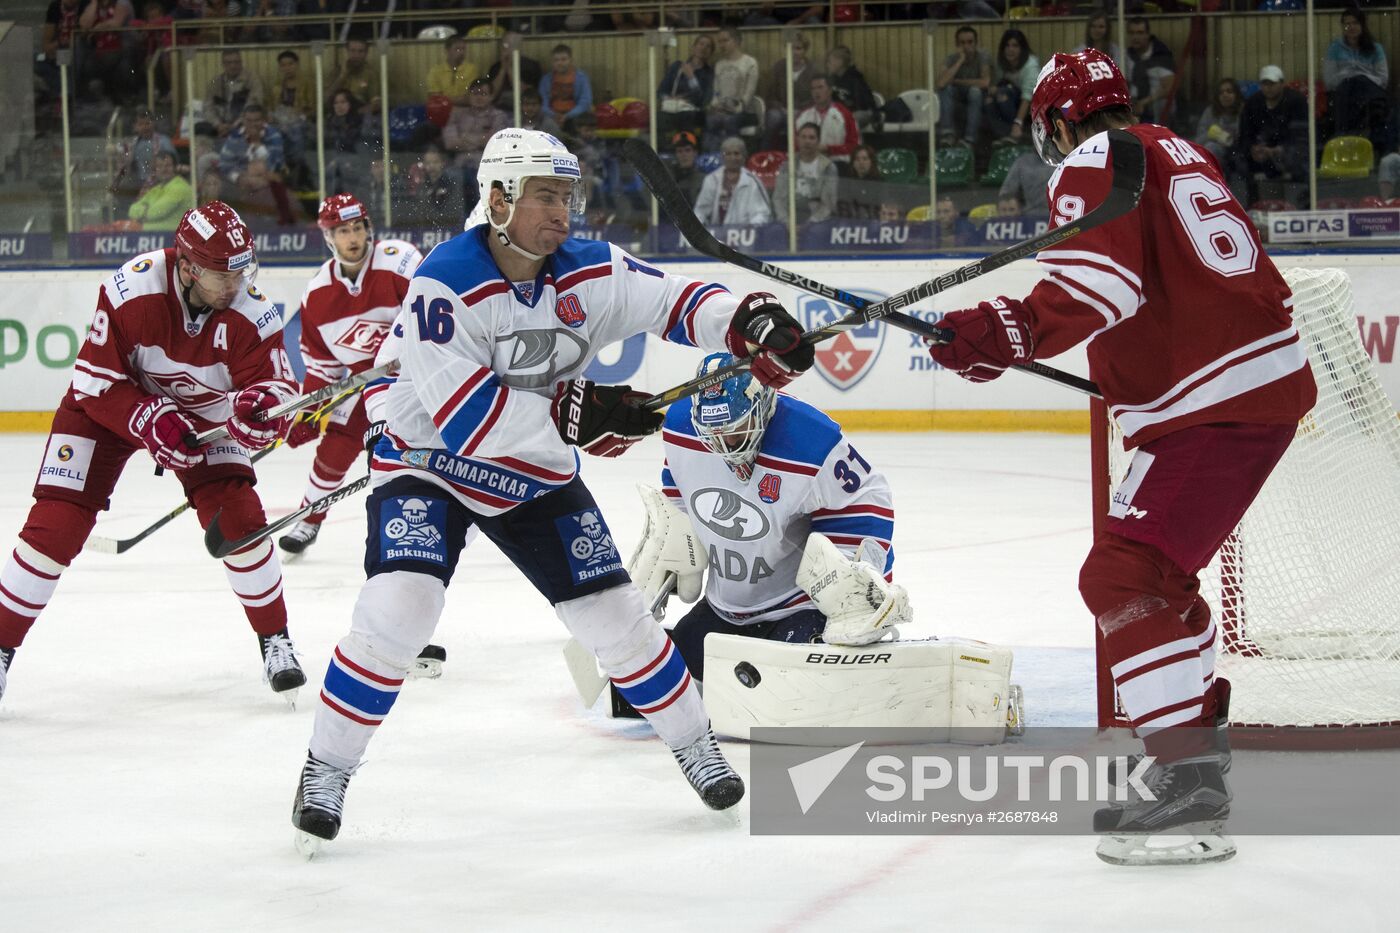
[1125, 153]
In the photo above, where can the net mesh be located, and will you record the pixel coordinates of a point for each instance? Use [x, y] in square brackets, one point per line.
[1306, 591]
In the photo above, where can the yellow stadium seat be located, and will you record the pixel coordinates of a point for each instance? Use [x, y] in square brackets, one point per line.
[1021, 12]
[922, 212]
[621, 102]
[1347, 157]
[486, 31]
[982, 213]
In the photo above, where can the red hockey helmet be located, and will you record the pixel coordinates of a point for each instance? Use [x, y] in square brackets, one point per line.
[214, 238]
[343, 209]
[1074, 86]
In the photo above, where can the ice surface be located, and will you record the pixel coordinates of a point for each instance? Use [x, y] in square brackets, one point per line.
[146, 773]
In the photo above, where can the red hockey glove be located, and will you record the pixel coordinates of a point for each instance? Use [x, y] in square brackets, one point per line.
[165, 430]
[986, 340]
[603, 420]
[762, 328]
[302, 429]
[248, 425]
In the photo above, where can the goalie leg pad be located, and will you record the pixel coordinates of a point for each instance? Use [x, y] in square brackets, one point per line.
[859, 604]
[635, 652]
[960, 689]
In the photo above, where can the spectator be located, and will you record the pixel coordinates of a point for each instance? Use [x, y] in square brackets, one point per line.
[211, 188]
[962, 87]
[732, 194]
[566, 89]
[60, 25]
[1273, 138]
[205, 158]
[775, 91]
[469, 128]
[166, 200]
[356, 76]
[1017, 69]
[685, 89]
[689, 178]
[1220, 122]
[848, 86]
[438, 201]
[815, 182]
[1356, 75]
[351, 142]
[155, 23]
[107, 57]
[839, 135]
[1028, 180]
[592, 160]
[253, 140]
[1151, 72]
[453, 78]
[533, 115]
[860, 186]
[1389, 175]
[293, 106]
[1009, 206]
[230, 91]
[1096, 37]
[135, 171]
[261, 196]
[951, 229]
[891, 212]
[736, 84]
[499, 74]
[266, 20]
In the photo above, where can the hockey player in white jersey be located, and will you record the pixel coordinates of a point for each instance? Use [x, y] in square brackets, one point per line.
[756, 484]
[482, 422]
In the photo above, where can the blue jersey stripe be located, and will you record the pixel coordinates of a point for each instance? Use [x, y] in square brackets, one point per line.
[469, 416]
[661, 682]
[863, 525]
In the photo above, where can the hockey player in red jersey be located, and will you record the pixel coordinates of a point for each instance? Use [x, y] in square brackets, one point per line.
[346, 312]
[181, 342]
[1191, 341]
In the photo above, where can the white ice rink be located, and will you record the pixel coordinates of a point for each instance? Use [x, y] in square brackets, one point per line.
[147, 774]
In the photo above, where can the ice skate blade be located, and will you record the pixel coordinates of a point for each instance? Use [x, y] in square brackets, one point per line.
[425, 669]
[308, 845]
[1185, 845]
[290, 698]
[291, 557]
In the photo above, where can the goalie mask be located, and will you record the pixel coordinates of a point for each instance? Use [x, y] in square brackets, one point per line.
[731, 417]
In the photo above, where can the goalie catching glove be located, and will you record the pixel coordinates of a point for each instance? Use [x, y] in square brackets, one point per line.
[603, 420]
[668, 547]
[860, 605]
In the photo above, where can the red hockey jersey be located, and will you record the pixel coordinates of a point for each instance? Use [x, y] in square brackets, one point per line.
[344, 322]
[144, 342]
[1189, 321]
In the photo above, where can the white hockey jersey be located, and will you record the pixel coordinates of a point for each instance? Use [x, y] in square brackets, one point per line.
[344, 321]
[481, 357]
[807, 478]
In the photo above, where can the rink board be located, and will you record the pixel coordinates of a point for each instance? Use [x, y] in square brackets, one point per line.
[876, 378]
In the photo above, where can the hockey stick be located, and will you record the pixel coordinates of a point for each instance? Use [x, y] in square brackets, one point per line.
[1125, 153]
[101, 545]
[219, 546]
[344, 386]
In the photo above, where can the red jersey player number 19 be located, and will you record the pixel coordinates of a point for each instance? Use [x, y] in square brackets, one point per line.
[1191, 340]
[181, 341]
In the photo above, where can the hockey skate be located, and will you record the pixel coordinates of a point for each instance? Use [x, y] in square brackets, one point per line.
[319, 803]
[296, 541]
[280, 668]
[428, 664]
[1182, 826]
[709, 773]
[6, 656]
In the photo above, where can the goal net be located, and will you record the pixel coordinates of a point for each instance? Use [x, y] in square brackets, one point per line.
[1306, 591]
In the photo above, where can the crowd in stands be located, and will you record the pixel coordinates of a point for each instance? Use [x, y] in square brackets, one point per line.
[722, 118]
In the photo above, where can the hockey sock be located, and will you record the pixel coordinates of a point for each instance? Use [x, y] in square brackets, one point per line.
[52, 535]
[1199, 623]
[334, 456]
[255, 574]
[636, 653]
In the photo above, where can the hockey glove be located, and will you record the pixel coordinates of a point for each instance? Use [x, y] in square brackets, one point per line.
[762, 328]
[986, 340]
[249, 425]
[165, 431]
[303, 429]
[603, 420]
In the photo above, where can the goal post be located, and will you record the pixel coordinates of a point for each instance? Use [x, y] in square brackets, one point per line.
[1306, 591]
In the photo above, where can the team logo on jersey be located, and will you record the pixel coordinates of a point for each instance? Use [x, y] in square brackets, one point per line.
[65, 453]
[188, 391]
[570, 310]
[141, 265]
[414, 530]
[728, 514]
[538, 358]
[66, 461]
[770, 487]
[589, 544]
[391, 251]
[846, 359]
[364, 336]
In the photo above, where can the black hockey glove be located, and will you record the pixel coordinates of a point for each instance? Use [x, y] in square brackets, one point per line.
[603, 420]
[762, 329]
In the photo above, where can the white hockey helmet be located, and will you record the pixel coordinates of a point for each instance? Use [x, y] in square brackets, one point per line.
[513, 155]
